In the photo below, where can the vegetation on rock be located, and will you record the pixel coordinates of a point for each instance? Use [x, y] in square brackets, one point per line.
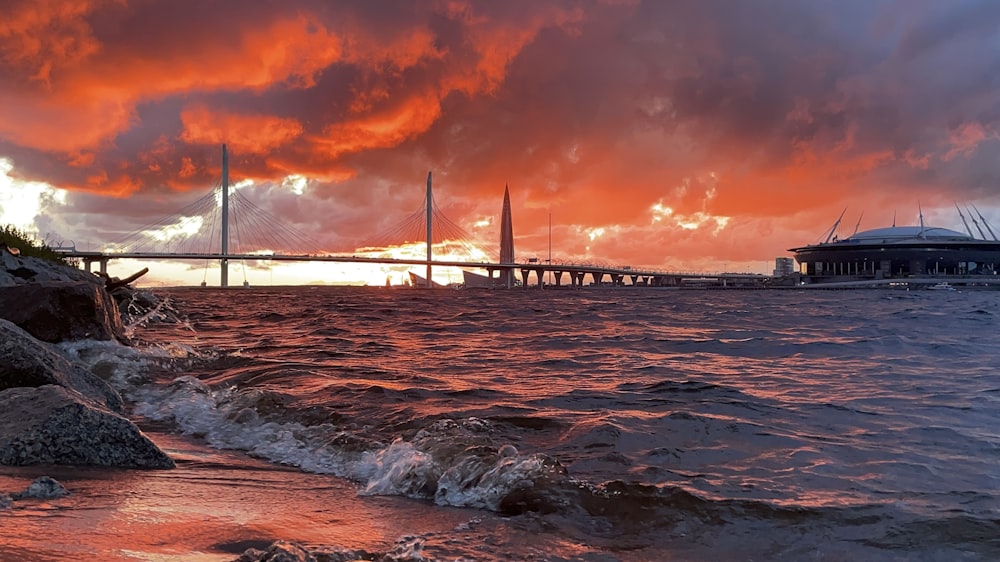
[28, 246]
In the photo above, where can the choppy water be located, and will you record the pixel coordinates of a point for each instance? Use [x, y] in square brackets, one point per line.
[627, 424]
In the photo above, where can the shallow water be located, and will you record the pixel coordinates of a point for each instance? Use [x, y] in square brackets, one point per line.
[605, 424]
[212, 507]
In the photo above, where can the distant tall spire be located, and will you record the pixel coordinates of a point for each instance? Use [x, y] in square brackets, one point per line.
[506, 239]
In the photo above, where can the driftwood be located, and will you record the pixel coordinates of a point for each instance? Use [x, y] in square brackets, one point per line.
[112, 283]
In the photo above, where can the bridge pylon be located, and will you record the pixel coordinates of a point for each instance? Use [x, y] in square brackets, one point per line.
[224, 262]
[430, 213]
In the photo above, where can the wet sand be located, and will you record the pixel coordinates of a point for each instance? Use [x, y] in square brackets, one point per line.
[212, 507]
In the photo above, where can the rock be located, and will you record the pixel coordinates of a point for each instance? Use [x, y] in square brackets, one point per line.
[43, 488]
[52, 425]
[6, 501]
[280, 551]
[56, 311]
[18, 270]
[284, 551]
[27, 362]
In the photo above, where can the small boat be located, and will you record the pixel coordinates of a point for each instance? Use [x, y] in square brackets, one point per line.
[942, 286]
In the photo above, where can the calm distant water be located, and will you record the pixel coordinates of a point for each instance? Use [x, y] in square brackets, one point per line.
[622, 424]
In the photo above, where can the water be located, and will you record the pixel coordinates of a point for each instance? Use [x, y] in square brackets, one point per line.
[612, 424]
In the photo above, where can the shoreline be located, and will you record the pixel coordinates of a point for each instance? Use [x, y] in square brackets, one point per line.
[216, 506]
[211, 508]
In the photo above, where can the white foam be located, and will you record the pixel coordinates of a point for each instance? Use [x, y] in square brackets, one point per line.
[489, 489]
[399, 469]
[226, 418]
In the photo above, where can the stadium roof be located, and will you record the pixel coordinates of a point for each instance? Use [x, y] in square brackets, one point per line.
[907, 233]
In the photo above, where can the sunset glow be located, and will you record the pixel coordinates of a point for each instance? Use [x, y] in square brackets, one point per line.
[682, 135]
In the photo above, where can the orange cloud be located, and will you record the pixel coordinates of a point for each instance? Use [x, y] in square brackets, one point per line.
[63, 125]
[965, 138]
[254, 134]
[496, 44]
[93, 98]
[381, 129]
[45, 37]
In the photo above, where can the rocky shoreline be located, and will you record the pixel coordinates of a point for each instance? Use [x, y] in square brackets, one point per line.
[52, 409]
[55, 411]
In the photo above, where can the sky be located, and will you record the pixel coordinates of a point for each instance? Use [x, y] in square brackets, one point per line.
[690, 135]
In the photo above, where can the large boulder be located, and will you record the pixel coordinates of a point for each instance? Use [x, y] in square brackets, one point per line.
[52, 425]
[27, 362]
[52, 410]
[18, 270]
[56, 311]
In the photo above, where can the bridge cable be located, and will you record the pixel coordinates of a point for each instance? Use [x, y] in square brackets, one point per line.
[413, 229]
[279, 235]
[140, 238]
[238, 239]
[215, 215]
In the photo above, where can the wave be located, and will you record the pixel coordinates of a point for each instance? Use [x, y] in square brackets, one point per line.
[452, 462]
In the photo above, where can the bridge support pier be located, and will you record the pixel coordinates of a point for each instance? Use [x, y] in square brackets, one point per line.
[88, 265]
[526, 275]
[505, 277]
[578, 278]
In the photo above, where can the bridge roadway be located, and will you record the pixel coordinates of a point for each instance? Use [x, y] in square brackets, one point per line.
[577, 272]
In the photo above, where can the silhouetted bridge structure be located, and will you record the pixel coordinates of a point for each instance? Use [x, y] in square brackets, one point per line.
[575, 275]
[500, 272]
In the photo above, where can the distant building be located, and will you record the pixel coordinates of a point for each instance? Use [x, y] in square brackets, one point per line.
[900, 252]
[506, 240]
[784, 267]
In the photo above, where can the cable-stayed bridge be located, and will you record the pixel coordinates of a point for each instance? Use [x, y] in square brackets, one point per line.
[224, 226]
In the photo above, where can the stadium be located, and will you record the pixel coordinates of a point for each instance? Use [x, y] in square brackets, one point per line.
[915, 254]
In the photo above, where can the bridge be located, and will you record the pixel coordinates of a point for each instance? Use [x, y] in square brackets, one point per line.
[500, 272]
